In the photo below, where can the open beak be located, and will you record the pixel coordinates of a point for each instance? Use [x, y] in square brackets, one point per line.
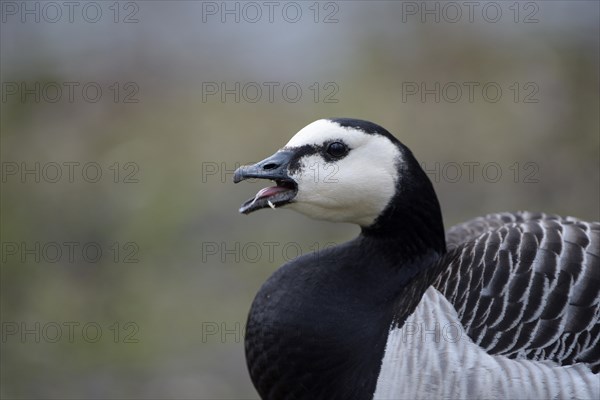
[274, 168]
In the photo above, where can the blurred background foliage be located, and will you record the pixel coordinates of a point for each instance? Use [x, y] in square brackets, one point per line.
[199, 263]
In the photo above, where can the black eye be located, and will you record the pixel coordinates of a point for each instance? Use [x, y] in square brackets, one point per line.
[337, 149]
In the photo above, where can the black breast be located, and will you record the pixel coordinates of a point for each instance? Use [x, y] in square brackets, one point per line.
[317, 328]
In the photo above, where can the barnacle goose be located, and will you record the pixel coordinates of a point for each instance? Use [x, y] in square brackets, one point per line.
[510, 310]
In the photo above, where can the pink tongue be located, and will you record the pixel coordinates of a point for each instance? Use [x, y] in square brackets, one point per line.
[269, 191]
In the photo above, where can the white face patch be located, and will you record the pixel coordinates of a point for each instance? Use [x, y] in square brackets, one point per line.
[356, 188]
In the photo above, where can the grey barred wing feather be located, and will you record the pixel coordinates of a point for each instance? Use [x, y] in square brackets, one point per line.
[527, 286]
[467, 231]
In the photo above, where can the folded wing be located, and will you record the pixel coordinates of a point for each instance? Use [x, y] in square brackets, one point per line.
[527, 285]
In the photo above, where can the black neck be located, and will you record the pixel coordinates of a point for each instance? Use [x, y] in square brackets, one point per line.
[412, 222]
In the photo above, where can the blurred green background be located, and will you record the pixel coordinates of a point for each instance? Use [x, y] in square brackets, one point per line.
[160, 312]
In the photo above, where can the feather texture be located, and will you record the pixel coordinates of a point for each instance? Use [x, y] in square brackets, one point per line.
[427, 358]
[527, 285]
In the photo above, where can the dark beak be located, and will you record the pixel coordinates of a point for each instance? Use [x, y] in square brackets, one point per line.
[274, 168]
